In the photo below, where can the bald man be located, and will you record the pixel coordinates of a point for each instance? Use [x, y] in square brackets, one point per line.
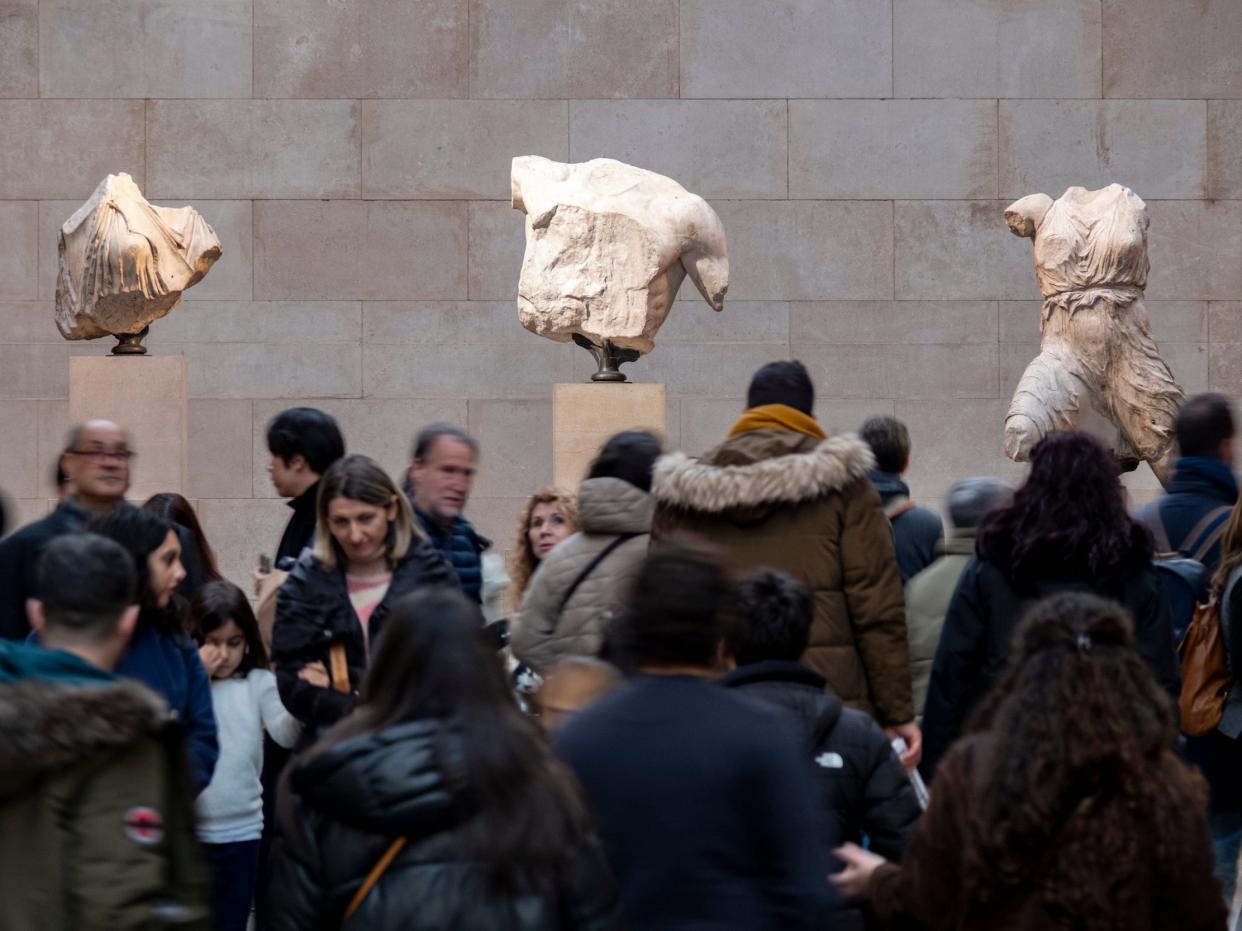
[95, 462]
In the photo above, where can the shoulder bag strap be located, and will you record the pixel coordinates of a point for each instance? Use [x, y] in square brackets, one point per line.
[1159, 534]
[1212, 528]
[591, 567]
[339, 667]
[372, 878]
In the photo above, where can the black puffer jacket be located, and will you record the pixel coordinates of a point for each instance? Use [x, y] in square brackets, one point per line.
[313, 611]
[863, 788]
[341, 810]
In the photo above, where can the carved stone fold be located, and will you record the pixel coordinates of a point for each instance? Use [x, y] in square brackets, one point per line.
[125, 263]
[607, 247]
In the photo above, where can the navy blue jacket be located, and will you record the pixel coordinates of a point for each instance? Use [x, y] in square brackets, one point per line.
[19, 554]
[1200, 486]
[916, 532]
[462, 548]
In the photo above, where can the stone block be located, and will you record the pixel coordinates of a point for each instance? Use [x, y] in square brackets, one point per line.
[746, 139]
[714, 370]
[1154, 48]
[1194, 248]
[147, 396]
[902, 370]
[239, 531]
[64, 148]
[19, 43]
[282, 369]
[953, 440]
[809, 250]
[28, 322]
[892, 148]
[1225, 368]
[19, 462]
[381, 48]
[706, 421]
[959, 250]
[1190, 364]
[232, 277]
[342, 250]
[1171, 321]
[1224, 149]
[455, 148]
[253, 148]
[1157, 148]
[497, 243]
[19, 250]
[584, 416]
[41, 370]
[221, 448]
[919, 322]
[786, 48]
[1225, 321]
[149, 48]
[690, 321]
[260, 322]
[515, 448]
[573, 48]
[496, 519]
[53, 431]
[946, 48]
[383, 430]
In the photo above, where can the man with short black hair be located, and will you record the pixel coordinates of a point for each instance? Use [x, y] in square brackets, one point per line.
[96, 806]
[303, 442]
[703, 799]
[95, 462]
[1190, 519]
[443, 464]
[916, 530]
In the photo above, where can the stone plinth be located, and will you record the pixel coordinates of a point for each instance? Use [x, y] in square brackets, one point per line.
[147, 396]
[584, 416]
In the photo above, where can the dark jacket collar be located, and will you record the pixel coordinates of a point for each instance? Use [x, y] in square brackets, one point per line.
[1204, 476]
[774, 670]
[460, 527]
[306, 501]
[888, 485]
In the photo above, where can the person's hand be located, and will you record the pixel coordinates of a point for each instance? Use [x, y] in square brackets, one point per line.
[212, 658]
[910, 733]
[259, 577]
[854, 880]
[315, 674]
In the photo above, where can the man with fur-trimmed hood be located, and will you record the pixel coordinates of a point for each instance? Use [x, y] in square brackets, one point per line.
[96, 807]
[778, 493]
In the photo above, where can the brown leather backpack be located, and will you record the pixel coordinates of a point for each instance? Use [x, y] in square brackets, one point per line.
[1205, 671]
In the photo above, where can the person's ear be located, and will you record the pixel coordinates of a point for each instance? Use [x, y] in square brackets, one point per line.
[126, 625]
[297, 463]
[1025, 215]
[35, 615]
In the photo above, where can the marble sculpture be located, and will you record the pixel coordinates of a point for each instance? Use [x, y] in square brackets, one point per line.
[607, 247]
[125, 263]
[1096, 350]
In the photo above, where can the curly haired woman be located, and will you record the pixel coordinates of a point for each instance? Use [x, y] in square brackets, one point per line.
[1064, 807]
[547, 518]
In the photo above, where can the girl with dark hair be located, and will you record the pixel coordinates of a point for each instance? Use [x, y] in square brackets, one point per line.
[243, 691]
[368, 552]
[442, 789]
[174, 507]
[161, 655]
[1064, 807]
[1066, 530]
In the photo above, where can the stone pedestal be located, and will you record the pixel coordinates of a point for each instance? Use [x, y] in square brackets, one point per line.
[147, 396]
[584, 416]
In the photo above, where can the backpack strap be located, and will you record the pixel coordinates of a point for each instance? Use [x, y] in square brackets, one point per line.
[1207, 532]
[1155, 523]
[372, 878]
[897, 507]
[591, 567]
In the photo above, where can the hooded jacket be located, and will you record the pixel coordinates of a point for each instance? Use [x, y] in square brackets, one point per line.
[786, 500]
[927, 601]
[96, 806]
[341, 809]
[916, 530]
[1183, 518]
[313, 612]
[542, 634]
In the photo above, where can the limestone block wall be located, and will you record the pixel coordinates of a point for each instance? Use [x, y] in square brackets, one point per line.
[353, 156]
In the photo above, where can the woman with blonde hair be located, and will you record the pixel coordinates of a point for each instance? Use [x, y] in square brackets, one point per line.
[548, 517]
[368, 551]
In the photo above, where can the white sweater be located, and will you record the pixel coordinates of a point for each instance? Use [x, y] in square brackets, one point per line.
[231, 808]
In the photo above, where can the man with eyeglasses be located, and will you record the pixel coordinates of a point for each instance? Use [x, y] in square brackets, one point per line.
[95, 462]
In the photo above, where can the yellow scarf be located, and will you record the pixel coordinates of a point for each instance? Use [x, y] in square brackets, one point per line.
[777, 417]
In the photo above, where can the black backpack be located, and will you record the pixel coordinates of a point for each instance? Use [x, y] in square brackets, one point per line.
[1186, 580]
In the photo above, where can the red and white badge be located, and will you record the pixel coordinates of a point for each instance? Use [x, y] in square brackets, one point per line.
[144, 825]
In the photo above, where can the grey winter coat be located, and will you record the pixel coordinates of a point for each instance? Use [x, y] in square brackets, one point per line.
[607, 508]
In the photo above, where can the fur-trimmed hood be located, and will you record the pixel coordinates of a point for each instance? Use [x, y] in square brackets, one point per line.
[53, 726]
[761, 469]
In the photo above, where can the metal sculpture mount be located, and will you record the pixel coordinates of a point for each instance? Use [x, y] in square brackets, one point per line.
[607, 248]
[1096, 348]
[124, 263]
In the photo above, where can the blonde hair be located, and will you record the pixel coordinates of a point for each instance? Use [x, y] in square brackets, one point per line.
[360, 478]
[522, 559]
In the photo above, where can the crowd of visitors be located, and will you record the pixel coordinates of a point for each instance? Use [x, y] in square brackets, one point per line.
[757, 688]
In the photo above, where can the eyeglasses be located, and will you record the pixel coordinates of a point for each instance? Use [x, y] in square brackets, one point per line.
[99, 455]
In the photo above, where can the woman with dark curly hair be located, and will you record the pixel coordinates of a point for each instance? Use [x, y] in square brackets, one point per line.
[1066, 530]
[1064, 807]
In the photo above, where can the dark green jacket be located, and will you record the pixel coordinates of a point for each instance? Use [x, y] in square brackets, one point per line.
[96, 808]
[927, 601]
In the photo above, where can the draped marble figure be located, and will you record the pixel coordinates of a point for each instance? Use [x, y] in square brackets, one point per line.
[1096, 348]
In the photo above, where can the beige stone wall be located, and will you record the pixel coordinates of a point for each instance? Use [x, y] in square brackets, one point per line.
[353, 156]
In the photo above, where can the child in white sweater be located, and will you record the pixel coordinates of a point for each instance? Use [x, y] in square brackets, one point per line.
[243, 692]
